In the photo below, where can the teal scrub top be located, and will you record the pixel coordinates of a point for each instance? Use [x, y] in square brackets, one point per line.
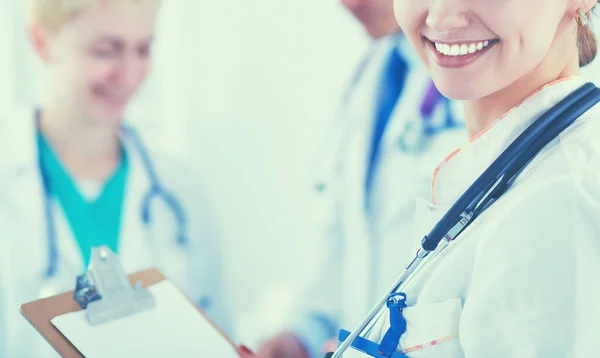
[94, 222]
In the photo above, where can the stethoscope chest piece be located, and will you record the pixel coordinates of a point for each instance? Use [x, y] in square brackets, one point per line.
[413, 138]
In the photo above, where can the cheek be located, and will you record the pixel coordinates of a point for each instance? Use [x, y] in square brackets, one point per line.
[528, 26]
[527, 40]
[352, 4]
[408, 13]
[99, 71]
[524, 44]
[411, 16]
[94, 79]
[145, 67]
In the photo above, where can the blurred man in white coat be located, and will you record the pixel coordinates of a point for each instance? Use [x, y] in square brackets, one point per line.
[393, 129]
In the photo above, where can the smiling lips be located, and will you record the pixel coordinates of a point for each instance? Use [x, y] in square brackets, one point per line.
[456, 55]
[460, 49]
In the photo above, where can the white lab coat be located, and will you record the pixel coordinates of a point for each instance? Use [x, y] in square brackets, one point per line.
[357, 252]
[23, 247]
[522, 280]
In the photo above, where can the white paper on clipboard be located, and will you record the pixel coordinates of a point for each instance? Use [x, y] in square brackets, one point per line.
[174, 328]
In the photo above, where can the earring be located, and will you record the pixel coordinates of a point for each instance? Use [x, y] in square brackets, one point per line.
[582, 18]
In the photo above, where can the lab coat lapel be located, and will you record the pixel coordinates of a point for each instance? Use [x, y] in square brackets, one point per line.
[135, 240]
[25, 244]
[407, 110]
[21, 201]
[26, 198]
[393, 162]
[454, 175]
[458, 172]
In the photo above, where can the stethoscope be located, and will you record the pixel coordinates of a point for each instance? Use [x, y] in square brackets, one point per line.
[156, 191]
[484, 192]
[414, 137]
[415, 134]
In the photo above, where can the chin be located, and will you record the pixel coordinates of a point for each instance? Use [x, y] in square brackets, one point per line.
[458, 89]
[459, 94]
[106, 112]
[114, 119]
[110, 116]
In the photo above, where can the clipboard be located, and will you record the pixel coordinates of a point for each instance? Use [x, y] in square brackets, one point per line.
[40, 313]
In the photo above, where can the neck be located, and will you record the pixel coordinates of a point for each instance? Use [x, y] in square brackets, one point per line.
[481, 113]
[88, 148]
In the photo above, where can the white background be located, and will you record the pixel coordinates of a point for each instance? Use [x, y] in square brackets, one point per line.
[242, 91]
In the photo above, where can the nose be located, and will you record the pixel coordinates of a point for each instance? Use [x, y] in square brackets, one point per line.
[447, 15]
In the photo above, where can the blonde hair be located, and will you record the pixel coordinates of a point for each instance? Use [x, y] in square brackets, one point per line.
[53, 14]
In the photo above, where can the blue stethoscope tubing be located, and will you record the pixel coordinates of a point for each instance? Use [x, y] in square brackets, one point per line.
[488, 188]
[498, 178]
[157, 190]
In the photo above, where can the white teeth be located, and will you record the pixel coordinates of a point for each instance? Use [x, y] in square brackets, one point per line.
[454, 50]
[442, 48]
[446, 49]
[461, 49]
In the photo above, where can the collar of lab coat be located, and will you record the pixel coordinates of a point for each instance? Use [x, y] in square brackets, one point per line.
[400, 43]
[406, 51]
[19, 140]
[21, 192]
[348, 160]
[23, 186]
[462, 167]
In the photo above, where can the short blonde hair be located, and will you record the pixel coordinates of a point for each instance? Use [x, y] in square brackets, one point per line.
[53, 14]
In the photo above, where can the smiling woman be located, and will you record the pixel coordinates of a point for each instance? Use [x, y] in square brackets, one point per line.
[518, 275]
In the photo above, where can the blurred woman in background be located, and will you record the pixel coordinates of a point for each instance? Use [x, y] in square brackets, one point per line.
[75, 177]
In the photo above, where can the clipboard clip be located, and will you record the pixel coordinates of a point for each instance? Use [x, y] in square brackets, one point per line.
[105, 292]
